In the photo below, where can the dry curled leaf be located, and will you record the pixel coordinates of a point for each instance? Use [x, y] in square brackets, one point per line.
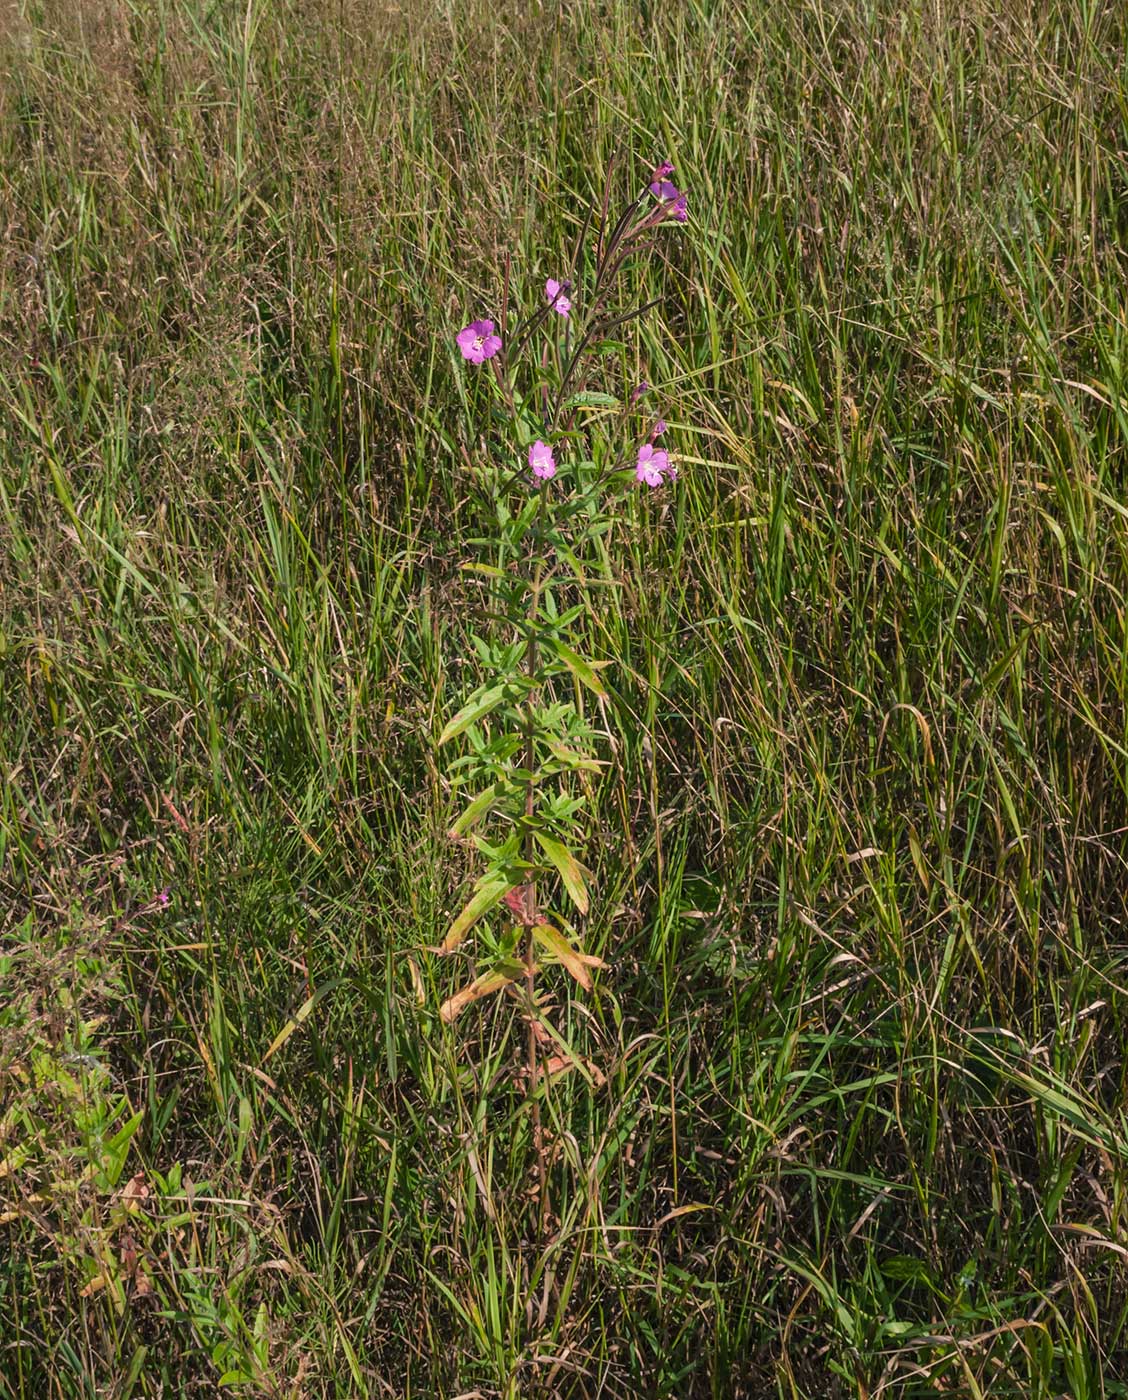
[135, 1192]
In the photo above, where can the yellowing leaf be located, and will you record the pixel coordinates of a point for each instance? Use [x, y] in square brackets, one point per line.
[474, 811]
[582, 669]
[569, 868]
[574, 959]
[490, 891]
[480, 987]
[574, 759]
[476, 709]
[302, 1013]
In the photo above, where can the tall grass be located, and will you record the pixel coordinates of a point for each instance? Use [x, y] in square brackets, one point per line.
[858, 1126]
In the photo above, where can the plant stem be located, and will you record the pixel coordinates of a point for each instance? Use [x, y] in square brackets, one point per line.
[531, 887]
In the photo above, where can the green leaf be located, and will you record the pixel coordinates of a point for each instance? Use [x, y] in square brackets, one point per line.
[574, 759]
[302, 1014]
[591, 399]
[475, 811]
[569, 869]
[490, 890]
[583, 671]
[470, 713]
[574, 959]
[117, 1149]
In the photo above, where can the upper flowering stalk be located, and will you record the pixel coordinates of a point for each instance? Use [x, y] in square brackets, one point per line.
[654, 466]
[663, 188]
[557, 297]
[478, 342]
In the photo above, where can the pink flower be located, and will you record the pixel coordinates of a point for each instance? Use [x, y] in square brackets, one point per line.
[666, 168]
[658, 429]
[669, 194]
[478, 342]
[541, 460]
[560, 303]
[653, 466]
[643, 388]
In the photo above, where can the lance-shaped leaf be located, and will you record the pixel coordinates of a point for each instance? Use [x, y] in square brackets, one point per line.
[489, 891]
[483, 986]
[574, 959]
[574, 758]
[584, 671]
[302, 1014]
[474, 812]
[569, 868]
[473, 711]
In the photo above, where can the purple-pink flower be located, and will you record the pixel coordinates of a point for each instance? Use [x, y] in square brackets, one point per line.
[478, 342]
[559, 301]
[658, 429]
[668, 193]
[541, 460]
[654, 466]
[643, 388]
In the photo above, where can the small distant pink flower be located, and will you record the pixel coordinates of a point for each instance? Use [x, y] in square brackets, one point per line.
[658, 429]
[643, 388]
[653, 466]
[478, 342]
[666, 168]
[560, 302]
[162, 898]
[542, 461]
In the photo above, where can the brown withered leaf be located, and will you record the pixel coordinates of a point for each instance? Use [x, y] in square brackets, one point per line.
[574, 959]
[135, 1192]
[127, 1250]
[553, 1066]
[480, 987]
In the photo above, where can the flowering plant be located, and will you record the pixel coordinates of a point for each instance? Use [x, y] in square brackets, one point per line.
[531, 749]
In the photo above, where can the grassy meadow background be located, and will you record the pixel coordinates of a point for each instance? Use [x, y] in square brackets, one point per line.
[861, 849]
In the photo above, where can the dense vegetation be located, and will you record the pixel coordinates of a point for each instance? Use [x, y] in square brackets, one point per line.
[855, 1119]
